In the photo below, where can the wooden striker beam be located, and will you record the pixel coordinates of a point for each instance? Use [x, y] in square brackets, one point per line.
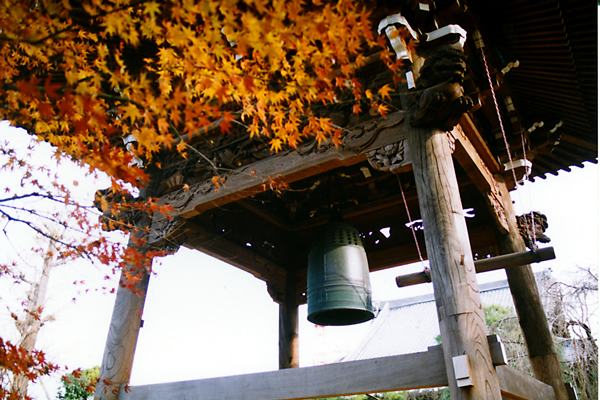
[486, 264]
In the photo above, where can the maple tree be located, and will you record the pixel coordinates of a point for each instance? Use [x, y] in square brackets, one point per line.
[111, 84]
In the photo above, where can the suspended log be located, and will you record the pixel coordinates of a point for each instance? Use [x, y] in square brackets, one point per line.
[486, 265]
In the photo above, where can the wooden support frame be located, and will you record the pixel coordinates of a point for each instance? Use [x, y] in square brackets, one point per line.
[403, 372]
[125, 325]
[485, 172]
[291, 165]
[529, 308]
[460, 314]
[289, 345]
[462, 323]
[468, 147]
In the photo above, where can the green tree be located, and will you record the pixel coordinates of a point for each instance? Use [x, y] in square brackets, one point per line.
[79, 385]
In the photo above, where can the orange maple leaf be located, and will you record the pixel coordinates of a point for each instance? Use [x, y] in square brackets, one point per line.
[275, 144]
[382, 109]
[384, 92]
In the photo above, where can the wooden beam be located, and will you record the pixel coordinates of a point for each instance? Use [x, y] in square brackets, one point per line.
[462, 323]
[292, 165]
[402, 372]
[289, 348]
[468, 156]
[408, 371]
[516, 385]
[515, 259]
[481, 147]
[487, 264]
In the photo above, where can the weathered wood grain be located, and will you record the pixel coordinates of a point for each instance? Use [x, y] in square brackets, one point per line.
[462, 323]
[403, 372]
[289, 347]
[122, 339]
[293, 165]
[518, 386]
[468, 157]
[418, 370]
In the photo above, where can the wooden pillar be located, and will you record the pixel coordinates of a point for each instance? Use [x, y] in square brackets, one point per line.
[125, 324]
[289, 348]
[462, 322]
[532, 318]
[431, 112]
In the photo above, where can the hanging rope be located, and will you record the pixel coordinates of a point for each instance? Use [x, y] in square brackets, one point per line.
[525, 178]
[412, 227]
[479, 45]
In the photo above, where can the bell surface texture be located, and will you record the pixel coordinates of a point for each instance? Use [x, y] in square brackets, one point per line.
[338, 287]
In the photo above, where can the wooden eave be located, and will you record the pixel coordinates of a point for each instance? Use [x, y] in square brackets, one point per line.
[255, 224]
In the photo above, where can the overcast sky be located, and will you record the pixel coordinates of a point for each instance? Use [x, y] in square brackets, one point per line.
[204, 318]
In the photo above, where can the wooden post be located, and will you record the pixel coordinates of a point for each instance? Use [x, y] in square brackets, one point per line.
[462, 322]
[432, 111]
[289, 348]
[532, 318]
[125, 324]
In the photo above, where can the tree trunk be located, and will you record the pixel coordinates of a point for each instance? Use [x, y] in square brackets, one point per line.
[31, 325]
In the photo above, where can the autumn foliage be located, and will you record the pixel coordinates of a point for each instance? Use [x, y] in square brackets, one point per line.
[111, 83]
[84, 75]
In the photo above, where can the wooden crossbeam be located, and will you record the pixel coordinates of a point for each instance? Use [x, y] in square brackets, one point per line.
[366, 376]
[474, 157]
[307, 160]
[516, 385]
[403, 372]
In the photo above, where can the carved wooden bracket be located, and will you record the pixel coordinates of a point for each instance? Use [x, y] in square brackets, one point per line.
[439, 99]
[167, 233]
[119, 211]
[532, 229]
[393, 157]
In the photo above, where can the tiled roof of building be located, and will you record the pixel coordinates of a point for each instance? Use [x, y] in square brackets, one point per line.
[410, 325]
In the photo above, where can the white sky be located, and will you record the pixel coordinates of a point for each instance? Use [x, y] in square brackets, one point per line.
[204, 318]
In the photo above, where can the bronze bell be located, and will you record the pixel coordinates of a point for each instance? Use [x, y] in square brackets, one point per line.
[338, 287]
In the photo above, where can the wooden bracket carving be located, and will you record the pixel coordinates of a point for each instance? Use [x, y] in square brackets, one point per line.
[119, 211]
[533, 229]
[389, 158]
[165, 231]
[439, 100]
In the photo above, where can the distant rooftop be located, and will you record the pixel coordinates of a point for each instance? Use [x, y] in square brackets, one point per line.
[410, 325]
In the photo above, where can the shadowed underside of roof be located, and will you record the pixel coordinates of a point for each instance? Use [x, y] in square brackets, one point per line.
[556, 80]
